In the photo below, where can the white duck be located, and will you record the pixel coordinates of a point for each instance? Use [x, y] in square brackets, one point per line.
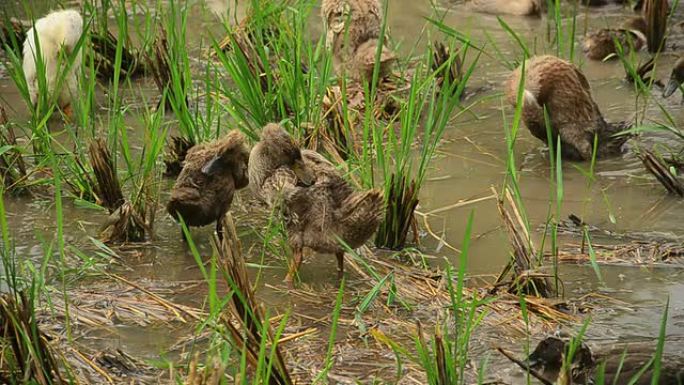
[57, 31]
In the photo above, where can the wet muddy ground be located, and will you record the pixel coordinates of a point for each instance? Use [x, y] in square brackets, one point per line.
[623, 199]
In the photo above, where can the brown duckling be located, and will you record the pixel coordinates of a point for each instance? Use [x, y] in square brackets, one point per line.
[211, 174]
[320, 207]
[549, 354]
[601, 44]
[561, 87]
[363, 63]
[508, 7]
[676, 79]
[352, 31]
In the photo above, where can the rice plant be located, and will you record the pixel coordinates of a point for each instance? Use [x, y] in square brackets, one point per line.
[428, 107]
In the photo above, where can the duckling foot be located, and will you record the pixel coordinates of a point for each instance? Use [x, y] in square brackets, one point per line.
[68, 113]
[219, 230]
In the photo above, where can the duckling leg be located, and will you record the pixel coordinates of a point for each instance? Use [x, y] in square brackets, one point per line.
[340, 264]
[293, 267]
[219, 230]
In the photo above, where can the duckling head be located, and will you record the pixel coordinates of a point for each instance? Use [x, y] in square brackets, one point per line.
[551, 351]
[676, 78]
[232, 155]
[278, 149]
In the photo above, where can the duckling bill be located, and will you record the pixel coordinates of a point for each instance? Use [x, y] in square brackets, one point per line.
[322, 211]
[676, 79]
[211, 174]
[562, 89]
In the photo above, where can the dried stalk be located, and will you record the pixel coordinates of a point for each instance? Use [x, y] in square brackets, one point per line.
[27, 356]
[523, 252]
[104, 54]
[125, 223]
[661, 172]
[244, 309]
[655, 13]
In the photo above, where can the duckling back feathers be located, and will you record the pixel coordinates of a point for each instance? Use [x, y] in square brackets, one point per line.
[57, 30]
[201, 195]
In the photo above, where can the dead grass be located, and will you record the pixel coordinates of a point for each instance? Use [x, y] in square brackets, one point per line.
[661, 172]
[124, 224]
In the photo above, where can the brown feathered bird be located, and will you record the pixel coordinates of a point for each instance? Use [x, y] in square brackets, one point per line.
[601, 44]
[622, 363]
[563, 89]
[508, 7]
[353, 33]
[322, 210]
[211, 174]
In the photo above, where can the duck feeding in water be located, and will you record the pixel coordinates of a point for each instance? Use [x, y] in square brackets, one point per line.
[562, 89]
[322, 211]
[48, 48]
[211, 174]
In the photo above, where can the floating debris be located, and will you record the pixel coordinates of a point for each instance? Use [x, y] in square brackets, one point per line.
[661, 172]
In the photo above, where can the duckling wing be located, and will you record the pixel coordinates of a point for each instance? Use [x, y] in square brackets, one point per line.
[582, 79]
[321, 167]
[279, 184]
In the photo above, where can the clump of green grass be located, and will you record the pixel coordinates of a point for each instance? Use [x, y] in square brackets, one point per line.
[428, 107]
[245, 345]
[12, 35]
[274, 77]
[13, 171]
[26, 356]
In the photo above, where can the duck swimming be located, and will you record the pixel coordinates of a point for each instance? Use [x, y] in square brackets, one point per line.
[211, 174]
[320, 207]
[676, 78]
[58, 34]
[602, 43]
[574, 116]
[507, 7]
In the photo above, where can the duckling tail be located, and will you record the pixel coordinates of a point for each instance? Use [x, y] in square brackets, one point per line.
[359, 216]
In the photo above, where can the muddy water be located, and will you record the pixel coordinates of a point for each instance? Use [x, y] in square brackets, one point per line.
[623, 197]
